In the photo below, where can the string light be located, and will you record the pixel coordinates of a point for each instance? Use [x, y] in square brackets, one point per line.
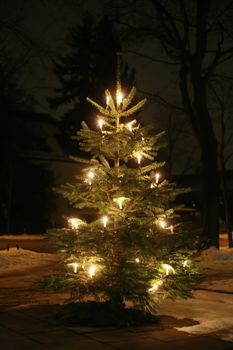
[185, 263]
[139, 158]
[100, 123]
[129, 126]
[162, 223]
[119, 98]
[157, 176]
[105, 220]
[73, 223]
[91, 270]
[137, 260]
[90, 176]
[168, 269]
[75, 266]
[155, 286]
[107, 100]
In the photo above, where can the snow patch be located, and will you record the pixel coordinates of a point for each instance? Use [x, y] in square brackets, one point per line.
[213, 253]
[17, 259]
[24, 236]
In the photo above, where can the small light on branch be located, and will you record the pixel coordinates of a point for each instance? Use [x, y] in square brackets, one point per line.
[75, 266]
[162, 223]
[155, 286]
[91, 271]
[168, 269]
[73, 222]
[119, 98]
[105, 220]
[157, 176]
[139, 158]
[100, 123]
[107, 100]
[129, 126]
[137, 260]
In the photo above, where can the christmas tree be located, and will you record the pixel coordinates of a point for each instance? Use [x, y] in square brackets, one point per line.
[135, 251]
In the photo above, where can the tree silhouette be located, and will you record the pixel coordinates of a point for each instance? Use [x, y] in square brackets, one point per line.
[86, 69]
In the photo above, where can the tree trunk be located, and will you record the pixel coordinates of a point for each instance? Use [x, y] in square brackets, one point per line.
[225, 201]
[210, 192]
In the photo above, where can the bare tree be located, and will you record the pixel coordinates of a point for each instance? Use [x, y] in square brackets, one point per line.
[196, 36]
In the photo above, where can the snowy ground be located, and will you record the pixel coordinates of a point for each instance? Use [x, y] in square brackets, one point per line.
[212, 305]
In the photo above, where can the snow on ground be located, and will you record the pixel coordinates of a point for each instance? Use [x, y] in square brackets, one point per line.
[23, 236]
[212, 305]
[20, 259]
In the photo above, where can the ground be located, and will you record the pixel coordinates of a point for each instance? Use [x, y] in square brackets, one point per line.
[27, 310]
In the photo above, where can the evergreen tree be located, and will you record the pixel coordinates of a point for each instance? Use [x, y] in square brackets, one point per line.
[86, 68]
[135, 250]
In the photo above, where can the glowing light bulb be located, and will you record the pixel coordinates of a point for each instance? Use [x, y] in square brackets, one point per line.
[91, 270]
[129, 126]
[137, 260]
[73, 223]
[75, 266]
[162, 223]
[91, 175]
[157, 176]
[155, 286]
[168, 269]
[100, 123]
[120, 202]
[107, 100]
[139, 158]
[119, 98]
[105, 220]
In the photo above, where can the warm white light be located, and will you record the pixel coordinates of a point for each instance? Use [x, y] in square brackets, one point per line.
[129, 126]
[168, 269]
[73, 223]
[120, 202]
[107, 100]
[171, 229]
[105, 220]
[139, 158]
[91, 271]
[185, 263]
[100, 123]
[155, 286]
[75, 266]
[157, 176]
[90, 175]
[162, 223]
[119, 97]
[137, 260]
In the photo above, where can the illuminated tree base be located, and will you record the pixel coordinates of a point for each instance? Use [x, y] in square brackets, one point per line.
[103, 314]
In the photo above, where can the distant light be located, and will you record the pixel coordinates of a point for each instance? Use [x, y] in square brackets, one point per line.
[137, 260]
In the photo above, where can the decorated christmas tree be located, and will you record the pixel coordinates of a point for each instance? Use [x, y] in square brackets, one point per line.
[135, 251]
